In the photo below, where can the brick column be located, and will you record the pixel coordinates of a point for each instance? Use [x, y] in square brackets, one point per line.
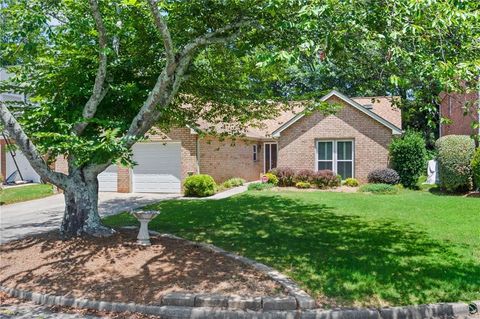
[124, 180]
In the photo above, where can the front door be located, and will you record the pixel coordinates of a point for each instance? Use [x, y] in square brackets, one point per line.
[270, 158]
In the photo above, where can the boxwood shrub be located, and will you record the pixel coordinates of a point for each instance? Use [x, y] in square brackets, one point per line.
[408, 156]
[272, 178]
[476, 168]
[351, 182]
[383, 176]
[455, 153]
[303, 185]
[200, 185]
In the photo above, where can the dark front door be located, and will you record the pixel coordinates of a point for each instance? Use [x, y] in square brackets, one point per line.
[270, 156]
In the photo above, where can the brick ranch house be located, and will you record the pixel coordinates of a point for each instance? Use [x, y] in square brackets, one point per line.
[352, 142]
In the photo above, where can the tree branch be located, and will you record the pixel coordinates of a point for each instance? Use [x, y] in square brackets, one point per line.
[99, 91]
[216, 36]
[163, 29]
[29, 150]
[168, 82]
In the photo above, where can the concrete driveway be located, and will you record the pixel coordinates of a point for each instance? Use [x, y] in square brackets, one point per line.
[21, 219]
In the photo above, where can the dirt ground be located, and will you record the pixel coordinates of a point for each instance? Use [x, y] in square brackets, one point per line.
[116, 269]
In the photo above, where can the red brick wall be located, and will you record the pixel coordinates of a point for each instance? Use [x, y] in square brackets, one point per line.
[297, 143]
[124, 181]
[452, 107]
[230, 158]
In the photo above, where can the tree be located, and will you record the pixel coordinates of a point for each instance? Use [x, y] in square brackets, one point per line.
[415, 50]
[100, 74]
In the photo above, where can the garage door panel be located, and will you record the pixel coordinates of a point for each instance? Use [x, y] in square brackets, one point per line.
[158, 168]
[107, 180]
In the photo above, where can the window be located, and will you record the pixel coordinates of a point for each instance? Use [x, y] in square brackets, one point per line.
[254, 152]
[336, 156]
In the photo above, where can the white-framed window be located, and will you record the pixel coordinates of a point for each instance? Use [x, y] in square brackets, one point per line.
[255, 152]
[337, 156]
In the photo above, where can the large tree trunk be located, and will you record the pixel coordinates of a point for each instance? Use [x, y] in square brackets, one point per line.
[81, 207]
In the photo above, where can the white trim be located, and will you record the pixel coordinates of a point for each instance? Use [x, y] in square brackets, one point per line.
[264, 154]
[395, 129]
[335, 154]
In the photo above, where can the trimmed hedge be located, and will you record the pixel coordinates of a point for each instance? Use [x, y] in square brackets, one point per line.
[408, 156]
[272, 179]
[303, 185]
[200, 185]
[305, 175]
[351, 182]
[476, 168]
[285, 175]
[233, 182]
[455, 153]
[383, 176]
[326, 179]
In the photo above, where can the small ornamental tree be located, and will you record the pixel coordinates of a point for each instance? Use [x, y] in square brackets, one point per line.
[455, 153]
[408, 155]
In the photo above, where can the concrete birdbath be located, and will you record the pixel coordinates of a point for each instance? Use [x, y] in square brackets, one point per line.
[144, 217]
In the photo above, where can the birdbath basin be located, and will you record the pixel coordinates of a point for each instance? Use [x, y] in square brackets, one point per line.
[144, 217]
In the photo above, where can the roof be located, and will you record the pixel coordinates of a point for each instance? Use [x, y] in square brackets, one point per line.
[366, 108]
[379, 108]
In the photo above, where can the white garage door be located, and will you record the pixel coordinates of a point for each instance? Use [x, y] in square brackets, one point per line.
[107, 180]
[157, 169]
[27, 171]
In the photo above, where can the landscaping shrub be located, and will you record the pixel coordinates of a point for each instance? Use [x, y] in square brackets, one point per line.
[200, 185]
[233, 182]
[259, 186]
[351, 182]
[272, 179]
[326, 179]
[305, 175]
[303, 185]
[383, 176]
[285, 175]
[455, 153]
[379, 189]
[408, 156]
[476, 168]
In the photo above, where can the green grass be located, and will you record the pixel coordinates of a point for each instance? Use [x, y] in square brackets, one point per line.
[23, 193]
[348, 249]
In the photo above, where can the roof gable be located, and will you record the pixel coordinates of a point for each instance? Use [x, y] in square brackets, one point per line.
[349, 101]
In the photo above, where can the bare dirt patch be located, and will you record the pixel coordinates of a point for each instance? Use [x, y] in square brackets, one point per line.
[116, 269]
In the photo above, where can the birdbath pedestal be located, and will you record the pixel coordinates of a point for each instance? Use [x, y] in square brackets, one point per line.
[144, 217]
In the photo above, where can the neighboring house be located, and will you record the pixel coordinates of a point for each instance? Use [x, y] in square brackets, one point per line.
[12, 160]
[352, 142]
[461, 110]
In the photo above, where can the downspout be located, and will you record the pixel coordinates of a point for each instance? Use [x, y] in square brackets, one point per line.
[197, 151]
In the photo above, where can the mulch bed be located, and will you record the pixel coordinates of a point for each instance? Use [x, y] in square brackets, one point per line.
[116, 269]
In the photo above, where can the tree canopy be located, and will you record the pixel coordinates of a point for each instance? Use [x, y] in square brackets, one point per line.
[100, 74]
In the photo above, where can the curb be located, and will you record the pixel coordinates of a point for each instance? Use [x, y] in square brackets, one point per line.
[443, 310]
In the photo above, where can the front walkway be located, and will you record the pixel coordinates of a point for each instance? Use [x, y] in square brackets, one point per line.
[39, 215]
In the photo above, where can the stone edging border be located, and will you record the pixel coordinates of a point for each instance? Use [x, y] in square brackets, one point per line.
[446, 310]
[299, 305]
[302, 299]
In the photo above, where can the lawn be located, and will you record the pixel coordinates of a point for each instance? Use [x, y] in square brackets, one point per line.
[345, 249]
[23, 193]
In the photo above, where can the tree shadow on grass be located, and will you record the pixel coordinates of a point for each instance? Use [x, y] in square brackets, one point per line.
[342, 259]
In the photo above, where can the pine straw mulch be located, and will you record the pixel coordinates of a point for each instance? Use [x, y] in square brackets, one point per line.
[116, 269]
